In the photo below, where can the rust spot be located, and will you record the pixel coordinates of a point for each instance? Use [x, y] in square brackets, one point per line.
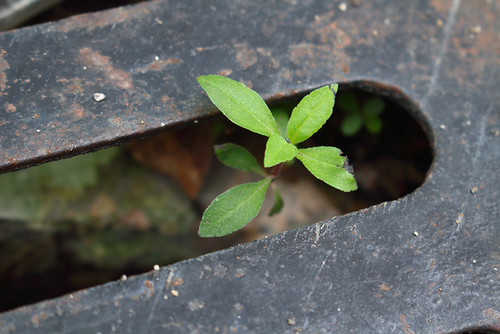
[3, 66]
[35, 319]
[104, 18]
[150, 287]
[78, 110]
[158, 65]
[75, 87]
[95, 60]
[10, 107]
[75, 310]
[225, 73]
[404, 325]
[492, 314]
[277, 96]
[176, 282]
[441, 6]
[246, 57]
[165, 98]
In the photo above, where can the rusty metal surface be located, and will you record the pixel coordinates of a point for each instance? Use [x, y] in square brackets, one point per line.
[427, 263]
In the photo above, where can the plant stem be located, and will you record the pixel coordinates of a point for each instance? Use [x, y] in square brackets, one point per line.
[276, 170]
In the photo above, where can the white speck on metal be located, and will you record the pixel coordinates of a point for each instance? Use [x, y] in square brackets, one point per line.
[99, 96]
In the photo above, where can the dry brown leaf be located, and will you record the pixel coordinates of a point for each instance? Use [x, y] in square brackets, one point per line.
[183, 154]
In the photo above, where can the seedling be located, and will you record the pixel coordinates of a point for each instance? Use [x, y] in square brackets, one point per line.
[367, 114]
[237, 206]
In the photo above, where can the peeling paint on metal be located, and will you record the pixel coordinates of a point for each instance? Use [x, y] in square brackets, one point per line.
[95, 60]
[3, 67]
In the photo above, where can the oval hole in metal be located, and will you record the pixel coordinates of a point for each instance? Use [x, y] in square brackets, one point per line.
[383, 164]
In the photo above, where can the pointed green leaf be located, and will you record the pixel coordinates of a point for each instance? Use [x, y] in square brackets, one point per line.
[278, 204]
[281, 117]
[373, 106]
[240, 104]
[351, 124]
[347, 100]
[373, 124]
[310, 114]
[328, 165]
[335, 88]
[278, 150]
[233, 209]
[238, 157]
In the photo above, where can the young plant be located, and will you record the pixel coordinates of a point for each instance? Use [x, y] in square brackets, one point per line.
[237, 206]
[367, 115]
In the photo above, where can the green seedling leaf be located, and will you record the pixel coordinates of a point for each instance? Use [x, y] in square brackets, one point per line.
[238, 157]
[281, 117]
[373, 124]
[347, 101]
[310, 114]
[328, 165]
[278, 150]
[233, 209]
[240, 104]
[335, 88]
[278, 203]
[351, 124]
[373, 106]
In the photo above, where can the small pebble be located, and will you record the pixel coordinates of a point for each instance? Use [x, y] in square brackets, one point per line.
[375, 33]
[291, 322]
[476, 29]
[439, 22]
[123, 278]
[156, 267]
[343, 6]
[442, 126]
[415, 233]
[473, 190]
[495, 132]
[99, 97]
[175, 293]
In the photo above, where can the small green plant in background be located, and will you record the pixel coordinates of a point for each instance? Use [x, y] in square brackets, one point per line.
[237, 206]
[367, 114]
